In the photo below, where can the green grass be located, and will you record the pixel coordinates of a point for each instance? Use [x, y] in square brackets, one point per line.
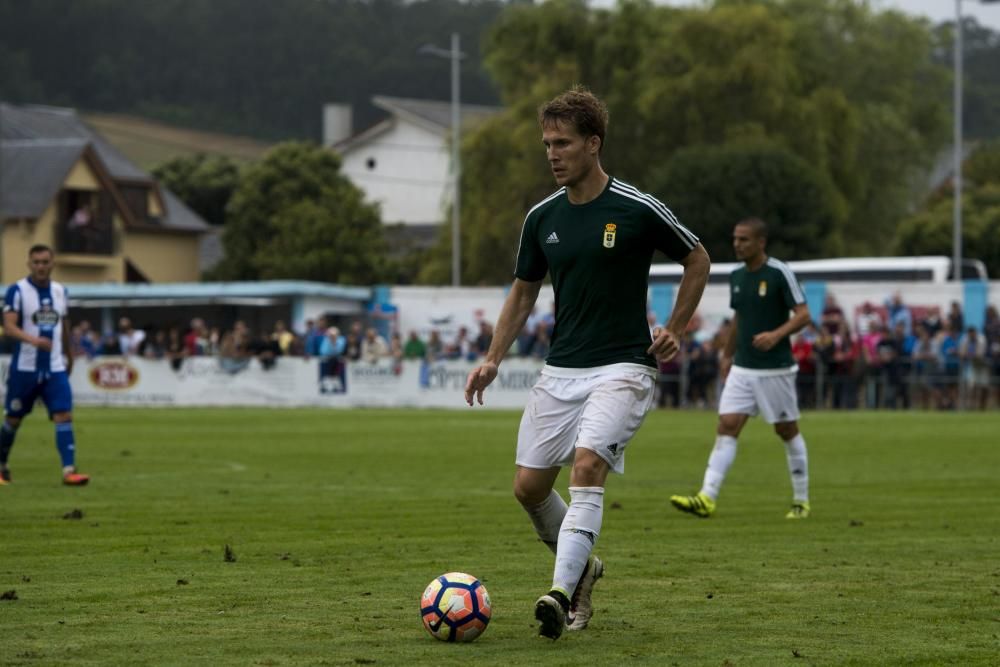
[338, 519]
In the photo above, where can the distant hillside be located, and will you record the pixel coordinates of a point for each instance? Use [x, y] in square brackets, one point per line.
[150, 143]
[258, 69]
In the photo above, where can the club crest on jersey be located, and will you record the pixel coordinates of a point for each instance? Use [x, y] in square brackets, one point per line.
[45, 316]
[609, 235]
[762, 288]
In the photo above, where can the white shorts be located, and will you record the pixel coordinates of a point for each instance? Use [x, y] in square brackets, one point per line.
[773, 396]
[599, 412]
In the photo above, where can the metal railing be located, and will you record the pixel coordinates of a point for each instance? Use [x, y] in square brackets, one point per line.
[964, 389]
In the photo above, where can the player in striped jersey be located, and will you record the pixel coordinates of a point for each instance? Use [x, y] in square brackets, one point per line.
[762, 375]
[35, 316]
[595, 238]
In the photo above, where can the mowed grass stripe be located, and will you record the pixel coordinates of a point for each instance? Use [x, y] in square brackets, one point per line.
[338, 519]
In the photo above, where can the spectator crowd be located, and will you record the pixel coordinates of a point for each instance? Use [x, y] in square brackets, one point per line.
[888, 356]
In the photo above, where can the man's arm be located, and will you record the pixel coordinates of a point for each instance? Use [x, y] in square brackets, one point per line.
[516, 309]
[67, 344]
[11, 329]
[768, 339]
[666, 340]
[728, 348]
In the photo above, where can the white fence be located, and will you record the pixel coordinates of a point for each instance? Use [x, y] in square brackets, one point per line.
[201, 381]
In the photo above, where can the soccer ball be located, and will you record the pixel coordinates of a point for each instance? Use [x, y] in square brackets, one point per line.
[455, 607]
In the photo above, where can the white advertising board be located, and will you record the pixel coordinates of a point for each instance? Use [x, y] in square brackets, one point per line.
[202, 381]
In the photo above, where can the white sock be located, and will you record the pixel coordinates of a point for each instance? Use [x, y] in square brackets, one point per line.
[577, 536]
[798, 467]
[547, 518]
[722, 456]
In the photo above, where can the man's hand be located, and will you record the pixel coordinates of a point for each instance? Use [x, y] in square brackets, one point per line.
[765, 340]
[479, 379]
[43, 343]
[665, 344]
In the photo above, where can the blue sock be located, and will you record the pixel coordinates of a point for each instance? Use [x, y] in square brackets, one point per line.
[7, 433]
[64, 442]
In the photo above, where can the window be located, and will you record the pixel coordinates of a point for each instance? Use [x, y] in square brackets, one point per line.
[84, 224]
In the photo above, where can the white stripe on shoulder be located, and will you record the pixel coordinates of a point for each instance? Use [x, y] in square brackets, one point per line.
[652, 200]
[545, 201]
[683, 233]
[520, 240]
[793, 282]
[661, 207]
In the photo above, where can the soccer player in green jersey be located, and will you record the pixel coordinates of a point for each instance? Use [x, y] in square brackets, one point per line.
[761, 377]
[595, 237]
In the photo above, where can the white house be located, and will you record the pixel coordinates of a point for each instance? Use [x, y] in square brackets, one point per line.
[403, 162]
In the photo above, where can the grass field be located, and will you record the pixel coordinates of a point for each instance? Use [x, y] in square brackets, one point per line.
[149, 143]
[337, 520]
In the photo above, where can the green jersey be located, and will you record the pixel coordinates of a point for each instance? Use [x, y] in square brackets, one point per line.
[762, 300]
[598, 256]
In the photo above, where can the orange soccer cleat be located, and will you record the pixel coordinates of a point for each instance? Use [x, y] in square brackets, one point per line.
[75, 479]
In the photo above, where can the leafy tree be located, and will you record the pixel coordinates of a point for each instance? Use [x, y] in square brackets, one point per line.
[203, 183]
[295, 215]
[710, 188]
[896, 106]
[16, 79]
[930, 231]
[981, 87]
[259, 68]
[844, 87]
[847, 97]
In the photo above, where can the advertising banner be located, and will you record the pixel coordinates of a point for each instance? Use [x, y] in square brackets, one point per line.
[290, 382]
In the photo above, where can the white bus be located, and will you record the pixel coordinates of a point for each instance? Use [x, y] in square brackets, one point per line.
[929, 268]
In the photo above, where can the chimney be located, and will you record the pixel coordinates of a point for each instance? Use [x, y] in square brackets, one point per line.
[337, 123]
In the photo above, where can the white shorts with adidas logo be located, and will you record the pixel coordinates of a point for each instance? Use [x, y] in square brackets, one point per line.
[596, 408]
[769, 393]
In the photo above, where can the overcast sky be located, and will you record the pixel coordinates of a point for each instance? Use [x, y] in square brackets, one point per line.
[937, 10]
[944, 10]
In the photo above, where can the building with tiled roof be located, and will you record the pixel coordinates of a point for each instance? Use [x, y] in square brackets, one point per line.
[63, 185]
[403, 163]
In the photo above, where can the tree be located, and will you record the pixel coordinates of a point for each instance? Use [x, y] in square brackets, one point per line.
[896, 107]
[711, 188]
[16, 80]
[849, 96]
[295, 215]
[203, 183]
[930, 231]
[981, 87]
[258, 68]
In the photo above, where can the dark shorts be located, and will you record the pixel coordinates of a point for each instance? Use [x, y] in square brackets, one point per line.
[24, 388]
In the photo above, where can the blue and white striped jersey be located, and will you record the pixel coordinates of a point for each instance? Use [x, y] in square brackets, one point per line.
[41, 311]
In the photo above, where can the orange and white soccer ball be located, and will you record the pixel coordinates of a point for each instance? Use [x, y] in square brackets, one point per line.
[455, 607]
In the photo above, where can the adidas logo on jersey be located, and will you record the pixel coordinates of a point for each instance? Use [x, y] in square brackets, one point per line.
[552, 238]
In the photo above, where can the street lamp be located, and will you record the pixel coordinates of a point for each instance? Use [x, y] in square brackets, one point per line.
[455, 55]
[957, 204]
